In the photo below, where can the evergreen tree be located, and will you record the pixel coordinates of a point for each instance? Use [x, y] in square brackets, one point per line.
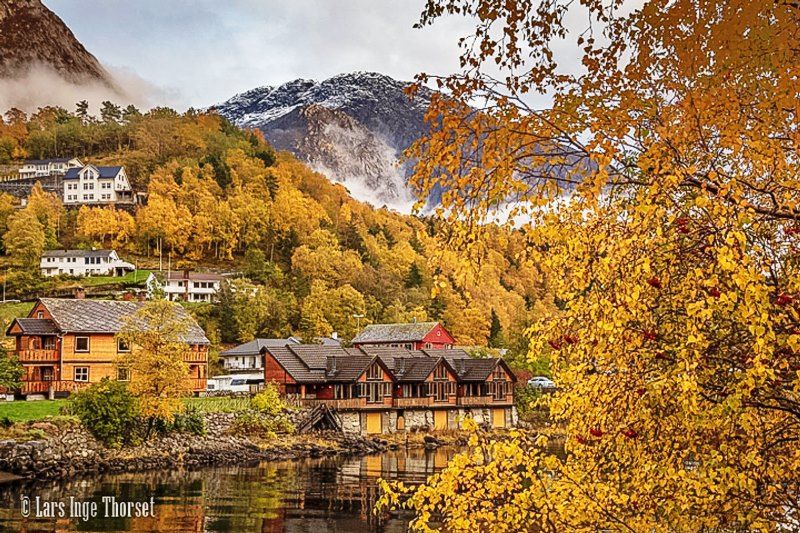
[496, 337]
[414, 277]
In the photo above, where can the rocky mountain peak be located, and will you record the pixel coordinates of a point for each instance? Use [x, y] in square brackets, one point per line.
[32, 36]
[353, 127]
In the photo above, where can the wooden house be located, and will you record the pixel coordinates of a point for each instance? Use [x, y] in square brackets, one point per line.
[66, 344]
[412, 336]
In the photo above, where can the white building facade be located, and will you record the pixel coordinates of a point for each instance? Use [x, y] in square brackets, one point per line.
[43, 168]
[185, 286]
[97, 185]
[83, 263]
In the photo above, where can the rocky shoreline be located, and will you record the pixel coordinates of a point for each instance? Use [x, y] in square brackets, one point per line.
[69, 450]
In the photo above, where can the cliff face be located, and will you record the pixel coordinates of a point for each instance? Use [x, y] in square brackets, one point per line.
[32, 36]
[352, 128]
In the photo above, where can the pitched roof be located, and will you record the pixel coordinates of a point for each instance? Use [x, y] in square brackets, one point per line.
[105, 172]
[193, 276]
[255, 346]
[411, 332]
[108, 316]
[77, 253]
[48, 161]
[35, 326]
[347, 368]
[295, 366]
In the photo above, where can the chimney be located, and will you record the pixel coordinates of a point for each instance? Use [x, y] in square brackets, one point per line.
[335, 336]
[79, 293]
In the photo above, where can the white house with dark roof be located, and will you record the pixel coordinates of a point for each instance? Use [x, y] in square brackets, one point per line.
[43, 168]
[97, 185]
[248, 357]
[185, 286]
[83, 263]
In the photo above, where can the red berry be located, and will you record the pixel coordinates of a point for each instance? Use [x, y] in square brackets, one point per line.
[654, 282]
[630, 433]
[783, 300]
[650, 335]
[570, 339]
[556, 344]
[713, 291]
[641, 392]
[581, 440]
[596, 432]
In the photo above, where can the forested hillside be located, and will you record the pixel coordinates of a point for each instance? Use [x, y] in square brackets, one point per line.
[307, 256]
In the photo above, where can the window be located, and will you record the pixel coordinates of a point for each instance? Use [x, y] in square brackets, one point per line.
[40, 314]
[374, 372]
[81, 344]
[82, 373]
[123, 346]
[428, 346]
[123, 374]
[440, 373]
[49, 343]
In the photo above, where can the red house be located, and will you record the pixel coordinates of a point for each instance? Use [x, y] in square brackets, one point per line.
[412, 336]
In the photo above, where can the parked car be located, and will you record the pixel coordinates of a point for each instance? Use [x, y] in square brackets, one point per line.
[541, 382]
[235, 383]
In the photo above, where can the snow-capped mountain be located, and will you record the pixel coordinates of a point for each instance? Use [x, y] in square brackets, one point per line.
[352, 127]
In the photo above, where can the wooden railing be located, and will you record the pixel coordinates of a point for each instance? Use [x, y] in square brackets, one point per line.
[37, 356]
[413, 402]
[350, 403]
[30, 387]
[485, 400]
[198, 384]
[195, 357]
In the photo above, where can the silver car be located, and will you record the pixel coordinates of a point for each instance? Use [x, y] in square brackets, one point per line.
[541, 382]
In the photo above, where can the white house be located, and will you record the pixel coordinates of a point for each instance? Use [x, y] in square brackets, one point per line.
[249, 356]
[187, 286]
[84, 263]
[97, 185]
[42, 168]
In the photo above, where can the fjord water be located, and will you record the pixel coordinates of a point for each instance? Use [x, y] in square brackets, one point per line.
[311, 495]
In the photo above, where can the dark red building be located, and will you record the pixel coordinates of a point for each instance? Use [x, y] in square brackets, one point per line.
[412, 336]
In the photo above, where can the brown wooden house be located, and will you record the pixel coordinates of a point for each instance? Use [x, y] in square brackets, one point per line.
[66, 344]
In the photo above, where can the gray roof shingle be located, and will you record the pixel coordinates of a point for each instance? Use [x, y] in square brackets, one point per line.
[255, 346]
[77, 253]
[37, 326]
[411, 332]
[105, 172]
[108, 316]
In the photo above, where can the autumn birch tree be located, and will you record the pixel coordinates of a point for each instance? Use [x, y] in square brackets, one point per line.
[659, 194]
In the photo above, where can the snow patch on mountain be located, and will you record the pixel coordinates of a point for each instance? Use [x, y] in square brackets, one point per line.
[352, 127]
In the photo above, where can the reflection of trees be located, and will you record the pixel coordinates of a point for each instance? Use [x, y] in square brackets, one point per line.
[312, 495]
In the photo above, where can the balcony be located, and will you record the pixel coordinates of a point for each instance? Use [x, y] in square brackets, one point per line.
[43, 387]
[198, 384]
[191, 356]
[482, 401]
[413, 402]
[38, 356]
[350, 403]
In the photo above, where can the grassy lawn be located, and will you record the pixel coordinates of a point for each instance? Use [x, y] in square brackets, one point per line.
[22, 411]
[136, 278]
[10, 311]
[25, 411]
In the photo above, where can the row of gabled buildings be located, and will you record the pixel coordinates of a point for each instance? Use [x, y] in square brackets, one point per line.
[383, 389]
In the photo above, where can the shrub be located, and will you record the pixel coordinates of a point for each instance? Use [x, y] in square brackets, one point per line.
[259, 425]
[268, 401]
[6, 422]
[190, 421]
[109, 411]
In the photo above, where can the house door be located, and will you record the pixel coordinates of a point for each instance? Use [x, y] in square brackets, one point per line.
[373, 423]
[498, 418]
[440, 420]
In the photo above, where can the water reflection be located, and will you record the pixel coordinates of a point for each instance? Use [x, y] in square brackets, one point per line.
[331, 494]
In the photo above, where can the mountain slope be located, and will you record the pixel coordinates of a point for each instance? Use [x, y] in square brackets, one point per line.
[352, 127]
[32, 36]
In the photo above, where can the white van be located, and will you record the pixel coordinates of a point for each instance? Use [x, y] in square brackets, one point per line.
[235, 383]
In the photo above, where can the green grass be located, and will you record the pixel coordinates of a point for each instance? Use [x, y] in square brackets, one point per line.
[220, 404]
[10, 311]
[22, 411]
[136, 278]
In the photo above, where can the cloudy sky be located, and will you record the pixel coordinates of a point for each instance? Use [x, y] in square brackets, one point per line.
[200, 52]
